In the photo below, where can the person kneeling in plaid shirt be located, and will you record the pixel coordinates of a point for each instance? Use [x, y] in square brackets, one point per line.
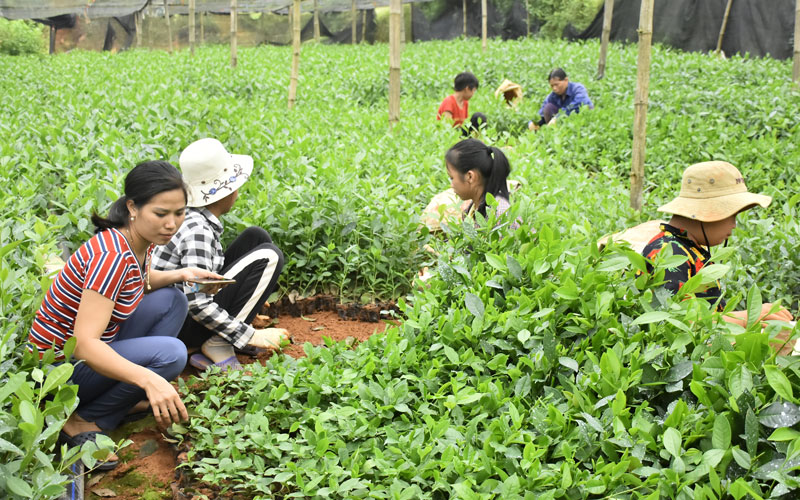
[218, 323]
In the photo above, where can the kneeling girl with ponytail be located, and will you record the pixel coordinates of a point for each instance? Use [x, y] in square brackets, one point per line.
[476, 169]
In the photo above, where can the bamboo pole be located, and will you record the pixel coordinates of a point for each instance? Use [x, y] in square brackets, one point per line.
[640, 103]
[796, 65]
[234, 28]
[202, 28]
[483, 25]
[724, 26]
[363, 25]
[608, 15]
[191, 26]
[353, 35]
[464, 11]
[169, 25]
[395, 18]
[316, 22]
[137, 21]
[295, 53]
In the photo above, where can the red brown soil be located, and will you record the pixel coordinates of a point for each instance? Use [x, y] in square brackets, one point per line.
[159, 467]
[314, 327]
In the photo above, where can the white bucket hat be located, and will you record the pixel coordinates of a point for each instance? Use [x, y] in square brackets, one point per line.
[211, 173]
[712, 191]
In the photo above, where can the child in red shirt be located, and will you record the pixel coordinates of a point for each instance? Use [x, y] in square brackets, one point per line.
[455, 107]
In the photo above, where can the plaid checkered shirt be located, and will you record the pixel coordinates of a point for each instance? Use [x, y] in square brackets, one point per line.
[197, 244]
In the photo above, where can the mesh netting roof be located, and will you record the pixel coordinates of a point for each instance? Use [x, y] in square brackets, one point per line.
[40, 9]
[245, 6]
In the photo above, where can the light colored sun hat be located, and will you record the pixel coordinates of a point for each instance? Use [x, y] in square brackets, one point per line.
[712, 191]
[211, 173]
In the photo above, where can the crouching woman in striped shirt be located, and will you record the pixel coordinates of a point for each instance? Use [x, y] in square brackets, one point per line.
[125, 317]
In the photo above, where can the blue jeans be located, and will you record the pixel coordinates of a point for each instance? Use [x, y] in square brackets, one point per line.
[147, 338]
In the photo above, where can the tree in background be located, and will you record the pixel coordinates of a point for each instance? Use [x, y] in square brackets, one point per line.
[22, 37]
[557, 14]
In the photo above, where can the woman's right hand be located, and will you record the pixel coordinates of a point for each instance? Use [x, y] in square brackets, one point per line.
[782, 314]
[164, 400]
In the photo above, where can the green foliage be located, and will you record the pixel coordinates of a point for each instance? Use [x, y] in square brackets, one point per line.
[531, 364]
[538, 369]
[35, 400]
[21, 37]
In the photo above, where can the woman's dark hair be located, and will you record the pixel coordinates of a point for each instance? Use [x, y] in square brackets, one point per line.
[557, 74]
[491, 162]
[464, 80]
[142, 183]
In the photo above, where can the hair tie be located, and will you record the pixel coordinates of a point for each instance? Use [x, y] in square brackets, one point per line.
[489, 150]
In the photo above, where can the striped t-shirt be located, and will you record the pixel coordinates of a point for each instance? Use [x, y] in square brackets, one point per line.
[104, 264]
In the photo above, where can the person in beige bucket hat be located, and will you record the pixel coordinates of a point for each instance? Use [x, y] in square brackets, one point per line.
[219, 321]
[704, 215]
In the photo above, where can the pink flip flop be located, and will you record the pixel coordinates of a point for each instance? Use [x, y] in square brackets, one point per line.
[201, 362]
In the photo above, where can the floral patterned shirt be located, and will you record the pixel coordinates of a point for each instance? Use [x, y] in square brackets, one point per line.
[681, 244]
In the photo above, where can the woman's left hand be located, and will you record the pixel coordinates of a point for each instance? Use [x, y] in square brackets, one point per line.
[189, 274]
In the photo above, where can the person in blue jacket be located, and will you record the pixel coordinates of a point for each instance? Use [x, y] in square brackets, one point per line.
[566, 95]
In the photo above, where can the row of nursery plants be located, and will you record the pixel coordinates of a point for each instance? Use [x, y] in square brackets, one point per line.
[531, 365]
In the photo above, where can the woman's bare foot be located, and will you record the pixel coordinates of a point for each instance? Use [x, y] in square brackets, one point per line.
[76, 425]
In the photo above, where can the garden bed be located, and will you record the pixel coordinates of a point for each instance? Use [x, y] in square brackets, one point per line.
[297, 307]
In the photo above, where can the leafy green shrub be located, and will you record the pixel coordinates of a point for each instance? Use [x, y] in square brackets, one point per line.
[21, 37]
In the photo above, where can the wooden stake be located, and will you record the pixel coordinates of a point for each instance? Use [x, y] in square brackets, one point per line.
[234, 27]
[402, 28]
[640, 103]
[483, 25]
[316, 22]
[796, 66]
[608, 15]
[53, 39]
[464, 10]
[169, 25]
[202, 28]
[363, 25]
[191, 26]
[527, 19]
[724, 26]
[411, 22]
[353, 35]
[295, 53]
[395, 18]
[137, 21]
[148, 36]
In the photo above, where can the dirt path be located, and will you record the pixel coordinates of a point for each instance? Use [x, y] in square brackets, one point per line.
[147, 470]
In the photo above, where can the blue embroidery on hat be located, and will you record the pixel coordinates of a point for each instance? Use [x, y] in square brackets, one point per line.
[225, 184]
